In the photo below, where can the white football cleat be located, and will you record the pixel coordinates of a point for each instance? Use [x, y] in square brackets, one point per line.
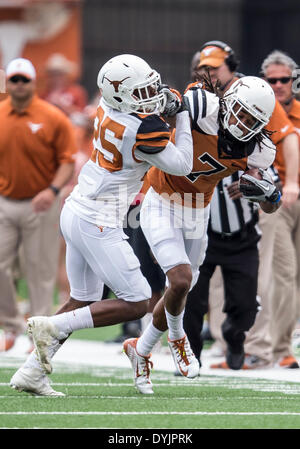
[141, 366]
[46, 338]
[33, 381]
[185, 361]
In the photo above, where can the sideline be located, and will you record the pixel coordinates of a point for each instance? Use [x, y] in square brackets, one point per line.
[99, 354]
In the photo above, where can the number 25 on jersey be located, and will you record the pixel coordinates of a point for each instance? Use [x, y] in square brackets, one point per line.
[108, 137]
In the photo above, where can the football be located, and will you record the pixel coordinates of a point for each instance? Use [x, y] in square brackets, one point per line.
[252, 172]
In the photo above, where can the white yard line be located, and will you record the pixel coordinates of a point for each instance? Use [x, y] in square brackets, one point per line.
[155, 413]
[287, 389]
[151, 397]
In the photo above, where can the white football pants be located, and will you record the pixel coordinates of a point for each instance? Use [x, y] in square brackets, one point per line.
[95, 257]
[176, 235]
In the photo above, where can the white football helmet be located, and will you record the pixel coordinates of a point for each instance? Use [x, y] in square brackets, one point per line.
[252, 95]
[129, 84]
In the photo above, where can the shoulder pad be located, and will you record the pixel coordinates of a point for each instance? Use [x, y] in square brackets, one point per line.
[194, 86]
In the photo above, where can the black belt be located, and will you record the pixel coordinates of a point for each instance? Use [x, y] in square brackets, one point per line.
[233, 235]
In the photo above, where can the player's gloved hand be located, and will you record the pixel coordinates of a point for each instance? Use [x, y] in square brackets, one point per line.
[174, 103]
[259, 189]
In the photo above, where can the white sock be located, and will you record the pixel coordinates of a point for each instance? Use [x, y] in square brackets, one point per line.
[146, 319]
[69, 322]
[175, 325]
[148, 339]
[32, 362]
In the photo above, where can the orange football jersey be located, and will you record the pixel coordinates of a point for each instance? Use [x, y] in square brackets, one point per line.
[214, 156]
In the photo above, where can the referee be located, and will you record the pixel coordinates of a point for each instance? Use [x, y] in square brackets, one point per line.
[233, 235]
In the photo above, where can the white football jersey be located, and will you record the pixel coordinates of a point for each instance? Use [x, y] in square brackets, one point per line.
[110, 180]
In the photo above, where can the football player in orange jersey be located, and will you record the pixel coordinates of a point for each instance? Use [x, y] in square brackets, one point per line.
[130, 136]
[228, 136]
[219, 59]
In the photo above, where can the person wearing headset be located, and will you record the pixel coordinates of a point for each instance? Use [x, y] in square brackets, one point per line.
[220, 61]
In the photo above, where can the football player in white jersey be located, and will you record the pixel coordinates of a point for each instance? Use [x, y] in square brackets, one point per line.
[130, 136]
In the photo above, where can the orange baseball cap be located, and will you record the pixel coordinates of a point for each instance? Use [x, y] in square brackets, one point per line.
[212, 56]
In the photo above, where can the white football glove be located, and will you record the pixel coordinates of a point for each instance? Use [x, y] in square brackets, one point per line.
[260, 190]
[173, 103]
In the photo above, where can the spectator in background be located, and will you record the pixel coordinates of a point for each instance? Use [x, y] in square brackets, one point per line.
[36, 161]
[217, 58]
[62, 88]
[278, 68]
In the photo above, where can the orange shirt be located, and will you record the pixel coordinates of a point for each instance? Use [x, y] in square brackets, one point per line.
[282, 125]
[32, 147]
[294, 116]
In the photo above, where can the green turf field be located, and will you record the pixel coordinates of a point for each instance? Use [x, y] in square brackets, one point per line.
[105, 398]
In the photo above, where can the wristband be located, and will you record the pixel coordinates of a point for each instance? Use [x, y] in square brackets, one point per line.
[54, 189]
[277, 199]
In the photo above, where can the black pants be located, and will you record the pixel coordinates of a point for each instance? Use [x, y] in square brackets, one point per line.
[238, 258]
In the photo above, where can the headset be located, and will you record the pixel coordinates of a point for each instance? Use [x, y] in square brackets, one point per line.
[231, 60]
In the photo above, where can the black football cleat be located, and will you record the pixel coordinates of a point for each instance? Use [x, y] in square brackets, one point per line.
[235, 356]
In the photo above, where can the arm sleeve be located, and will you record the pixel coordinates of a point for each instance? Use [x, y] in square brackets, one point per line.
[175, 159]
[263, 155]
